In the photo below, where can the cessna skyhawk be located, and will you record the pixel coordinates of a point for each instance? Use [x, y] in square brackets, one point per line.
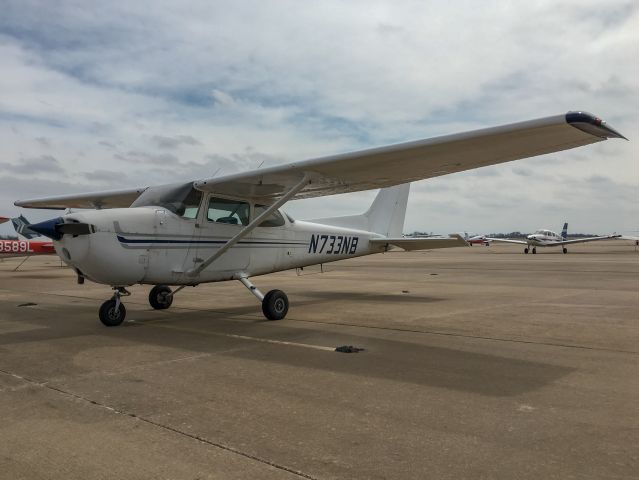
[548, 238]
[231, 228]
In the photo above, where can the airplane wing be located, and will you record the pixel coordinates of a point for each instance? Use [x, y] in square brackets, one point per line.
[4, 220]
[430, 243]
[386, 166]
[587, 239]
[629, 237]
[105, 199]
[507, 240]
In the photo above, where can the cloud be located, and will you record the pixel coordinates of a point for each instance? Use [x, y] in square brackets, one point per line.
[102, 176]
[171, 143]
[135, 157]
[33, 166]
[223, 98]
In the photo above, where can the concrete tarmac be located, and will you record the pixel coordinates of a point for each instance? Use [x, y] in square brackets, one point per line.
[479, 362]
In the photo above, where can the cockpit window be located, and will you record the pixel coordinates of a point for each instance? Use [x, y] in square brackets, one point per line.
[181, 199]
[222, 210]
[275, 219]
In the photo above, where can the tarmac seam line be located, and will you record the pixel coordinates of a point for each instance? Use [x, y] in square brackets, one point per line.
[478, 337]
[242, 337]
[159, 425]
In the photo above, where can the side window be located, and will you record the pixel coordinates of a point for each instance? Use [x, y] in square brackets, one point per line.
[190, 205]
[275, 219]
[222, 210]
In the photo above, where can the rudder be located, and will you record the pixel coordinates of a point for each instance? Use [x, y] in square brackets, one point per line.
[21, 226]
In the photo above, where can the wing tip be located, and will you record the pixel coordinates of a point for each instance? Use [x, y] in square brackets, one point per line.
[589, 123]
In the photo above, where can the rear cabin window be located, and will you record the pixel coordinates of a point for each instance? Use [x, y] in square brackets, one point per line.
[233, 212]
[275, 219]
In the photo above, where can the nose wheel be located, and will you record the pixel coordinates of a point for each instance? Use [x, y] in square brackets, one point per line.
[112, 312]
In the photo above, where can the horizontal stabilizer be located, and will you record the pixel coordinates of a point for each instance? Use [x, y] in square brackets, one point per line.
[454, 240]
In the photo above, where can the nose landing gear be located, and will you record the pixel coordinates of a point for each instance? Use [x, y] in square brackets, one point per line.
[112, 312]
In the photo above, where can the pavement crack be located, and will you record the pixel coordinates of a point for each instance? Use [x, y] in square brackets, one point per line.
[169, 428]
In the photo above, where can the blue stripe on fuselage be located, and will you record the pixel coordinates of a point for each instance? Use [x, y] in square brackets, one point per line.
[204, 242]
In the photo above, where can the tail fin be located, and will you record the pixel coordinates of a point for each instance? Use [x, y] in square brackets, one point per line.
[21, 225]
[564, 232]
[388, 211]
[385, 216]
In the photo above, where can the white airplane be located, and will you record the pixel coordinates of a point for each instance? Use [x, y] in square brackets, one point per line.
[231, 228]
[548, 238]
[478, 240]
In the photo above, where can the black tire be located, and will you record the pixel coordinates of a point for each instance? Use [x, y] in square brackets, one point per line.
[275, 305]
[160, 297]
[534, 250]
[526, 250]
[565, 250]
[109, 316]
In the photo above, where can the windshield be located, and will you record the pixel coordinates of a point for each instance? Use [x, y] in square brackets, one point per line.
[181, 199]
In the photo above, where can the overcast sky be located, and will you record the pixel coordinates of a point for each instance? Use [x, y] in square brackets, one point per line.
[118, 94]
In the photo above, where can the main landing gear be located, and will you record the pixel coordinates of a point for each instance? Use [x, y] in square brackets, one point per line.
[565, 250]
[161, 297]
[274, 303]
[534, 250]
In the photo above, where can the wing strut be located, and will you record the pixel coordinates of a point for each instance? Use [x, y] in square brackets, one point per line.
[249, 228]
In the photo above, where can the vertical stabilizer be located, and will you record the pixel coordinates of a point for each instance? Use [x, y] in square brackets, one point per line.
[385, 216]
[388, 211]
[564, 231]
[21, 226]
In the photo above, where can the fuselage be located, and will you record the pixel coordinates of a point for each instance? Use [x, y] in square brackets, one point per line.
[478, 240]
[152, 245]
[544, 238]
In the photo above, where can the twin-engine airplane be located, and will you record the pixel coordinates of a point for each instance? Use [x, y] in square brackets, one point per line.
[548, 238]
[25, 246]
[231, 228]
